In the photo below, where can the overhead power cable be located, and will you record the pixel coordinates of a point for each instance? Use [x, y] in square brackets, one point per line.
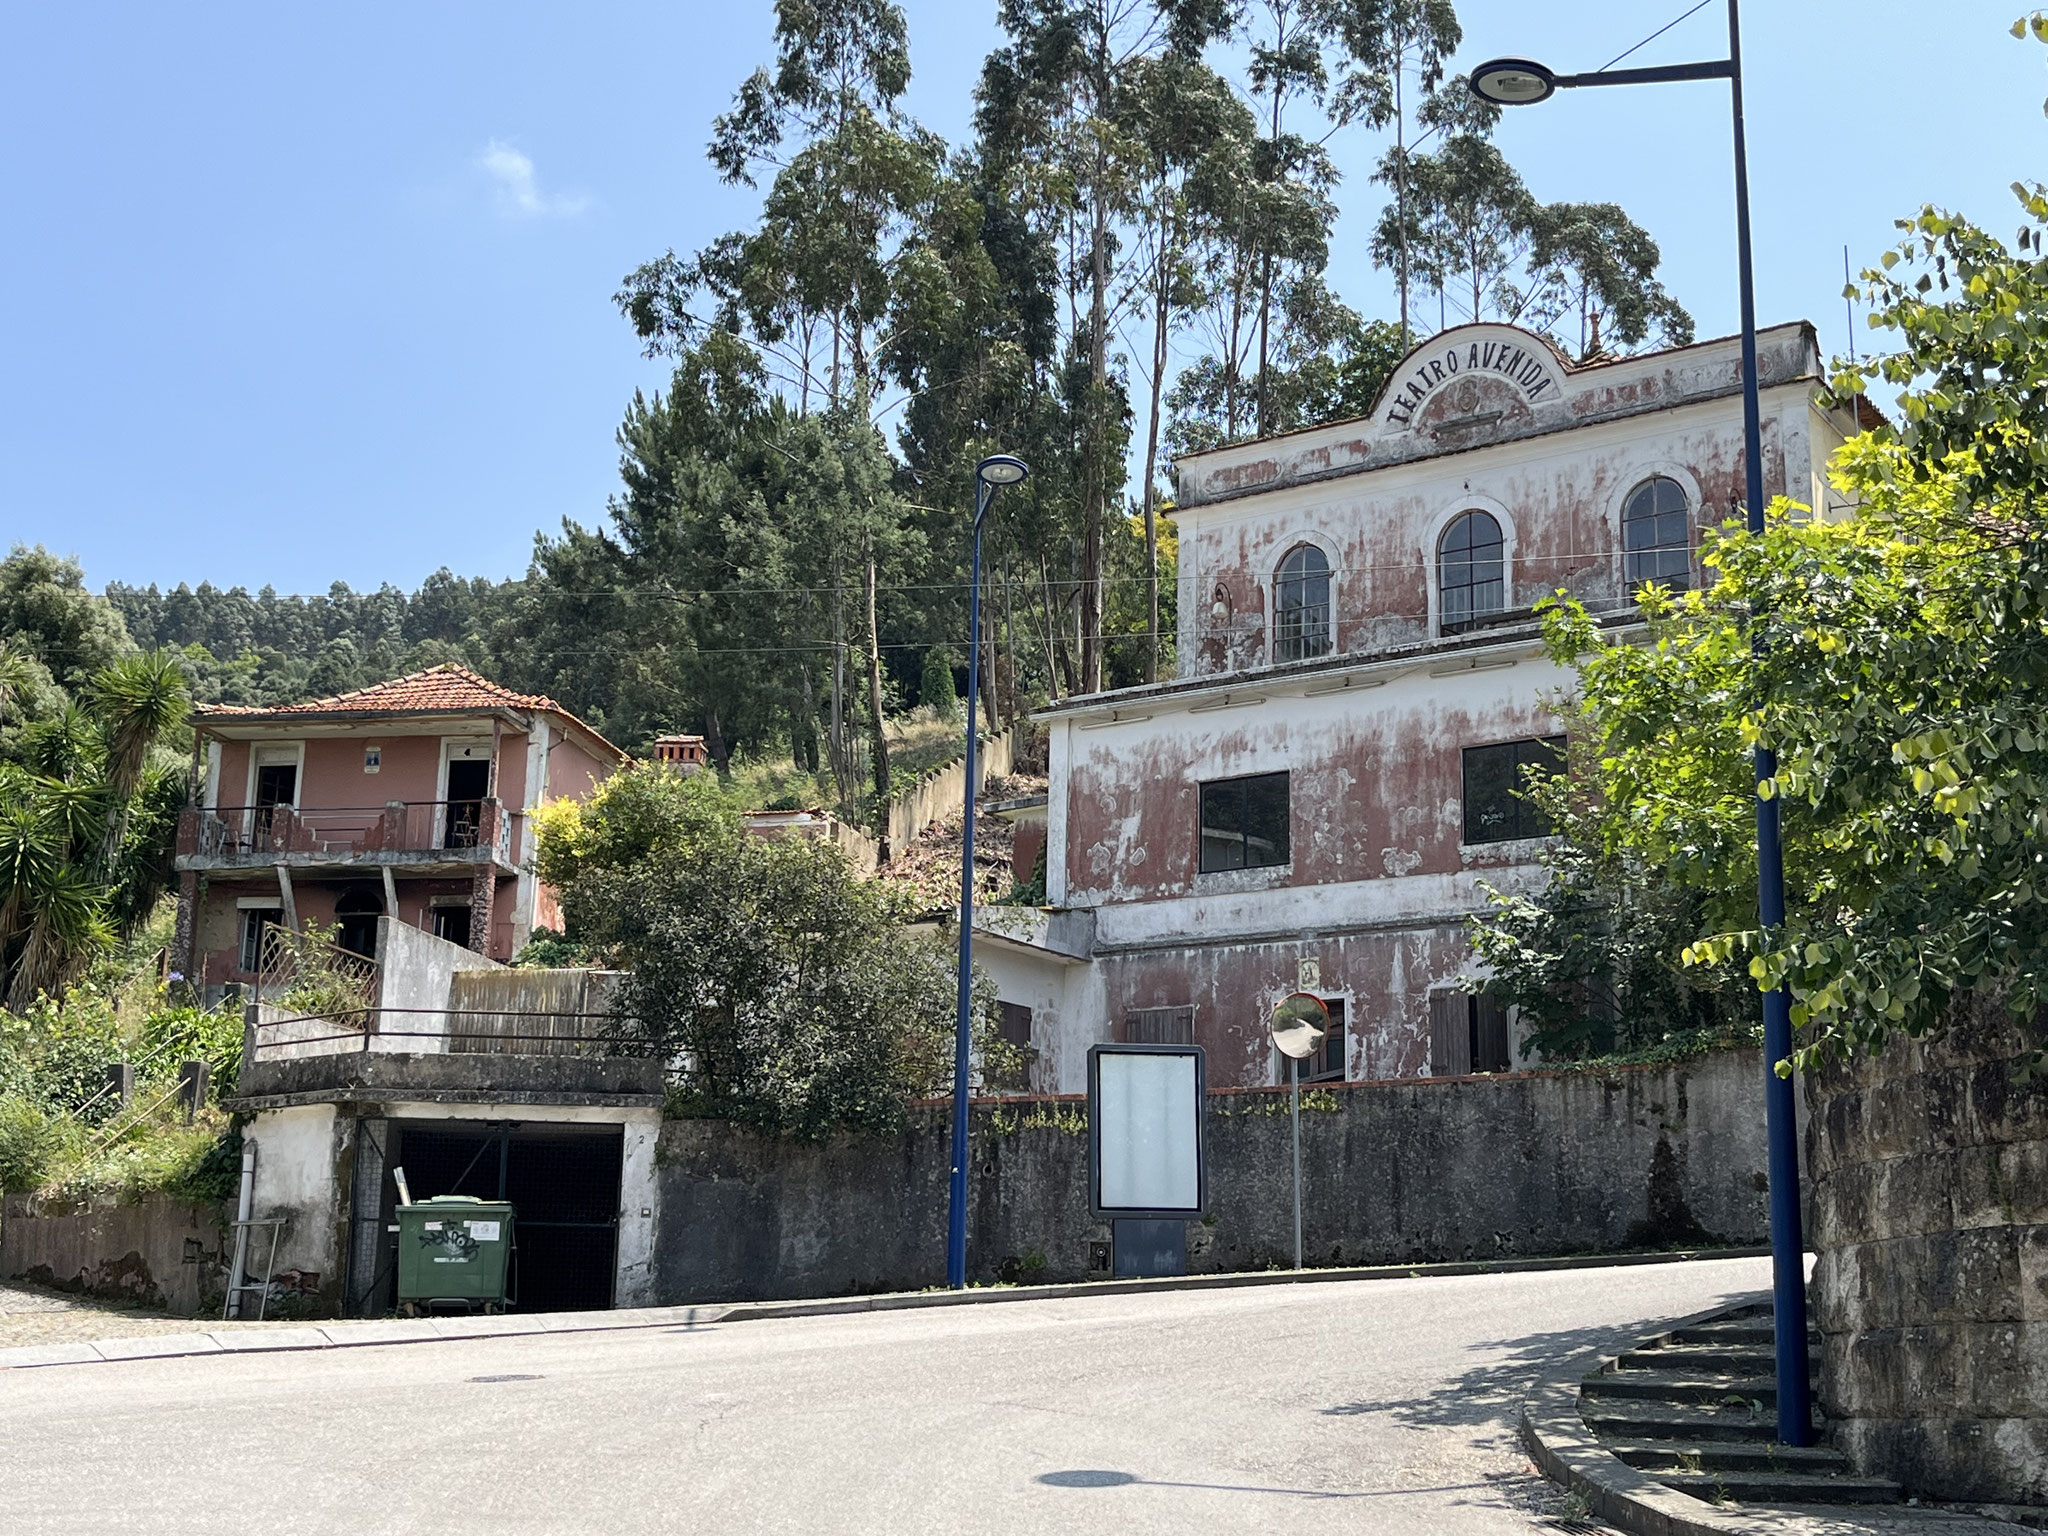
[1652, 37]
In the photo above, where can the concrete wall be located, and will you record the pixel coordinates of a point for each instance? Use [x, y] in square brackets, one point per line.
[416, 971]
[1929, 1175]
[157, 1252]
[1530, 1164]
[942, 792]
[303, 1155]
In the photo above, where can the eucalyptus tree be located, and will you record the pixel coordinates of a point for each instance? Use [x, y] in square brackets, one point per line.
[1595, 264]
[1056, 133]
[1467, 227]
[1186, 116]
[1394, 55]
[849, 176]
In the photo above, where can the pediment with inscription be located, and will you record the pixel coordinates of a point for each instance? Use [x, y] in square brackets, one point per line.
[1471, 384]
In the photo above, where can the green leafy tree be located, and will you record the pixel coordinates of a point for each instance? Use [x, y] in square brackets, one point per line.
[786, 993]
[46, 613]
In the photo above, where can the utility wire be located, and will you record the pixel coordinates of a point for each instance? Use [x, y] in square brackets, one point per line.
[1651, 38]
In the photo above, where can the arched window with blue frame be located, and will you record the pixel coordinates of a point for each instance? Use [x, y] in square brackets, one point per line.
[1471, 571]
[1301, 605]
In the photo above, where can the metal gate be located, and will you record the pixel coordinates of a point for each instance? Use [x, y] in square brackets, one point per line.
[563, 1181]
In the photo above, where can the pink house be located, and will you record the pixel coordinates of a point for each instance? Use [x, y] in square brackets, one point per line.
[410, 799]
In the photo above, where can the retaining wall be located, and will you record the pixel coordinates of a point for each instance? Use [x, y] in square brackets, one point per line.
[1524, 1164]
[157, 1252]
[1928, 1171]
[943, 792]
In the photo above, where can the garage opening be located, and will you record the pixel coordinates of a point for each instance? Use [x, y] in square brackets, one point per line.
[562, 1180]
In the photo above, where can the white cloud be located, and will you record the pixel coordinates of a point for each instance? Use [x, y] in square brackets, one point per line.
[519, 190]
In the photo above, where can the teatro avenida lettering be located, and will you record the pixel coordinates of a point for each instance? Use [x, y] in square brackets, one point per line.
[1505, 359]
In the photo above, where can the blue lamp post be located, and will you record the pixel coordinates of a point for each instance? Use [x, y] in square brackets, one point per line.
[997, 469]
[1520, 82]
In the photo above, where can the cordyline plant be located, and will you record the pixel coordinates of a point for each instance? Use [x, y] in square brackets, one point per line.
[1896, 659]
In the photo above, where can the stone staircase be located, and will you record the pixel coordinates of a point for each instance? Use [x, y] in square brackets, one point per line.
[1696, 1409]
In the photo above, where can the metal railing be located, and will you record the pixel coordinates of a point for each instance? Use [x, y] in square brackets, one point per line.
[256, 832]
[453, 1031]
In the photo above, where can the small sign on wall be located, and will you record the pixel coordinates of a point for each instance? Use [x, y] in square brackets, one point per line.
[373, 759]
[1308, 975]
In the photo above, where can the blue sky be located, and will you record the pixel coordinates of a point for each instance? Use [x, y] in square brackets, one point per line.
[298, 294]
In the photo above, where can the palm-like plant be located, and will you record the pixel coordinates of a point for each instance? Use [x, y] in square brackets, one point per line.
[65, 813]
[136, 699]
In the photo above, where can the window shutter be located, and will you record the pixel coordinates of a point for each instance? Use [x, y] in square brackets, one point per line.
[1160, 1026]
[1450, 1034]
[1489, 1035]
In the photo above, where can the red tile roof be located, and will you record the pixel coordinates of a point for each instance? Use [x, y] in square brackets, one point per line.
[449, 689]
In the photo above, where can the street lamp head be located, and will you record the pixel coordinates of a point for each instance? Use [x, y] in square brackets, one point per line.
[1001, 469]
[1512, 82]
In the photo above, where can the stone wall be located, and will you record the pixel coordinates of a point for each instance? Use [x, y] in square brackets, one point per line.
[156, 1252]
[1928, 1173]
[1518, 1165]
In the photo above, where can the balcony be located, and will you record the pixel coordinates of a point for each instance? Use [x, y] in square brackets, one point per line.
[419, 836]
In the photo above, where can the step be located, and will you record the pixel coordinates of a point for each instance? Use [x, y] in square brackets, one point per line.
[1782, 1488]
[1624, 1419]
[1727, 1456]
[1681, 1387]
[1720, 1359]
[1742, 1333]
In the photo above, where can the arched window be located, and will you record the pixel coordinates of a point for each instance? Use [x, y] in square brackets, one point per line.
[1656, 544]
[1301, 605]
[1471, 571]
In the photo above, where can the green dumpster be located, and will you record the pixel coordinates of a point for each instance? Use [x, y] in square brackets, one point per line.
[454, 1249]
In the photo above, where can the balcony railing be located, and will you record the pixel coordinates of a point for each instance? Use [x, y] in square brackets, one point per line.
[461, 830]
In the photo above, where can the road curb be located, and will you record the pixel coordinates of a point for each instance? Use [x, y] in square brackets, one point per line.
[425, 1330]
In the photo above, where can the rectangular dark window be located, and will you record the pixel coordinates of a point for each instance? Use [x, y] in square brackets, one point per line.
[1496, 809]
[1244, 823]
[1014, 1025]
[1327, 1064]
[1160, 1026]
[1468, 1032]
[452, 924]
[255, 920]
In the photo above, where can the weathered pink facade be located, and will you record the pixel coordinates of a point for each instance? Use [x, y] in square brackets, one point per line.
[410, 799]
[1371, 726]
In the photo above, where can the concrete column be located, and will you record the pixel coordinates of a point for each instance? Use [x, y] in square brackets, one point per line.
[483, 890]
[185, 941]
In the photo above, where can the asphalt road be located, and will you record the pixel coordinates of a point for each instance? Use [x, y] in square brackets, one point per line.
[1382, 1406]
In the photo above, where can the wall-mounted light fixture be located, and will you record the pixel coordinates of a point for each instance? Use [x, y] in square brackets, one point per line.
[1344, 685]
[1473, 666]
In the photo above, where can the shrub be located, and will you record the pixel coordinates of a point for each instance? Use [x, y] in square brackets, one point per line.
[31, 1142]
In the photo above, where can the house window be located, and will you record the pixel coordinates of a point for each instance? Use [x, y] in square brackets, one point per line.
[1468, 1032]
[1496, 807]
[256, 923]
[452, 924]
[1327, 1064]
[1244, 823]
[1301, 605]
[1471, 571]
[1656, 542]
[1160, 1026]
